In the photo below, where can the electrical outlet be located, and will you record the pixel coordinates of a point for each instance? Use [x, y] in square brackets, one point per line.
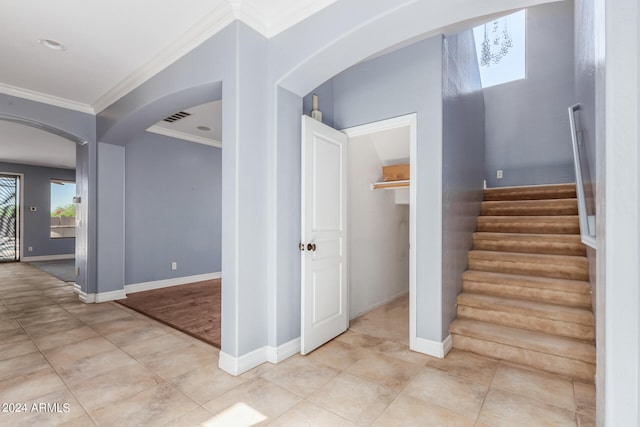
[174, 265]
[30, 249]
[499, 174]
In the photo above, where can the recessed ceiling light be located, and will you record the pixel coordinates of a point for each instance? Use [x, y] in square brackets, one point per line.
[52, 44]
[206, 128]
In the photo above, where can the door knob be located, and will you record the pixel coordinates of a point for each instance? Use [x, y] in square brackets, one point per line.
[301, 246]
[311, 247]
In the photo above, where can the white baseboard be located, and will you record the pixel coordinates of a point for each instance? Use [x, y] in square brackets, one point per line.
[47, 257]
[433, 348]
[284, 351]
[379, 304]
[158, 284]
[77, 289]
[239, 365]
[102, 296]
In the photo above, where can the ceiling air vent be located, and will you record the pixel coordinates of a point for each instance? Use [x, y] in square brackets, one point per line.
[177, 116]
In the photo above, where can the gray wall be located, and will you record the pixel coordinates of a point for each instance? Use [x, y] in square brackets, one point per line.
[172, 208]
[463, 167]
[527, 132]
[37, 192]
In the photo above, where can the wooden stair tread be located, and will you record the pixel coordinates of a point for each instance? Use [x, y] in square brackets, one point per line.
[534, 192]
[528, 237]
[530, 308]
[560, 244]
[528, 340]
[565, 285]
[544, 259]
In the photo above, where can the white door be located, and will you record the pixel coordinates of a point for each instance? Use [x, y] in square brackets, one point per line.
[324, 234]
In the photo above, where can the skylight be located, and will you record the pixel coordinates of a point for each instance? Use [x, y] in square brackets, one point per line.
[500, 46]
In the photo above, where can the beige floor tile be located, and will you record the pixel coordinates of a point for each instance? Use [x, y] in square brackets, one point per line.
[151, 407]
[164, 342]
[54, 327]
[119, 325]
[356, 339]
[505, 409]
[407, 411]
[81, 421]
[467, 365]
[456, 394]
[97, 364]
[12, 336]
[548, 388]
[401, 351]
[30, 386]
[196, 417]
[128, 337]
[206, 383]
[171, 363]
[337, 355]
[39, 319]
[239, 414]
[9, 325]
[354, 398]
[385, 370]
[255, 397]
[64, 357]
[57, 339]
[586, 419]
[104, 315]
[585, 395]
[307, 414]
[22, 365]
[300, 375]
[7, 351]
[114, 385]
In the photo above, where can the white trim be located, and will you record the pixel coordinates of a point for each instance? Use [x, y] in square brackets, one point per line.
[48, 257]
[184, 136]
[410, 120]
[432, 348]
[209, 25]
[379, 304]
[159, 284]
[102, 296]
[239, 365]
[45, 98]
[285, 351]
[77, 289]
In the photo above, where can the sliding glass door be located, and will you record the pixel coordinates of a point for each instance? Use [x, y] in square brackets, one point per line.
[9, 218]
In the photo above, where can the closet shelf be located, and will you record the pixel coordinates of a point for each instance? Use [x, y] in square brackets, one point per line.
[390, 185]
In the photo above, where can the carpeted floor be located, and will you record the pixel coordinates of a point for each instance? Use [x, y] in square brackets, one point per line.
[64, 269]
[193, 308]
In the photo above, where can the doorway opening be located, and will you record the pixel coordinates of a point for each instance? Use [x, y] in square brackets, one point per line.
[355, 242]
[10, 218]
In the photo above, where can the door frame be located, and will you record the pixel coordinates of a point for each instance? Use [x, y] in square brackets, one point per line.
[20, 202]
[410, 121]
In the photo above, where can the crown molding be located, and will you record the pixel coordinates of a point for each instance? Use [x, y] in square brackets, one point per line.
[184, 136]
[45, 99]
[209, 25]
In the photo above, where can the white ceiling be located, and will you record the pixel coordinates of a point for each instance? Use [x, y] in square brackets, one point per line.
[31, 146]
[112, 47]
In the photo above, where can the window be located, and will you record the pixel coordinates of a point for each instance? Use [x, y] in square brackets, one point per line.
[500, 46]
[63, 210]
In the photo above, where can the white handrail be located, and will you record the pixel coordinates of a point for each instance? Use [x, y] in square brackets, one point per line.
[587, 237]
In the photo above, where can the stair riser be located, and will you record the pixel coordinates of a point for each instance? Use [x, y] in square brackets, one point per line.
[561, 271]
[528, 227]
[518, 210]
[570, 299]
[546, 362]
[532, 247]
[539, 193]
[537, 324]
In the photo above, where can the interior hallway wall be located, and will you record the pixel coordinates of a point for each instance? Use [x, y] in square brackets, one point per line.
[173, 208]
[527, 131]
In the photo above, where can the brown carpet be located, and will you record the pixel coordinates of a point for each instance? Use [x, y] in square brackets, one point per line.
[193, 308]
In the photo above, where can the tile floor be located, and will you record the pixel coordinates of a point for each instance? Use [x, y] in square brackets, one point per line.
[103, 364]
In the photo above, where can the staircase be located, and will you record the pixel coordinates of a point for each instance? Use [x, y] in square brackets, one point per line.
[526, 296]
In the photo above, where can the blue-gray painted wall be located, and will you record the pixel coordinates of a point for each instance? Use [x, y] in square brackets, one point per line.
[527, 130]
[36, 187]
[463, 166]
[173, 206]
